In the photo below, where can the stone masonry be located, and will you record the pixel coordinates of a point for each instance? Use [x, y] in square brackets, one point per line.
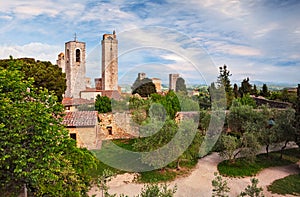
[75, 68]
[110, 62]
[172, 81]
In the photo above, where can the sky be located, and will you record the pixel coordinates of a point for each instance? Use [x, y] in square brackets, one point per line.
[259, 39]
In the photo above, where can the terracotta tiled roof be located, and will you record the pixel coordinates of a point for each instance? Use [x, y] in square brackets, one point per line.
[80, 118]
[76, 101]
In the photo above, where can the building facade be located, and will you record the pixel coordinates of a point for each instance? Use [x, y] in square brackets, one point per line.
[172, 81]
[73, 64]
[110, 62]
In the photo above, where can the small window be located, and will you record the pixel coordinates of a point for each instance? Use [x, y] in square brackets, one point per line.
[109, 128]
[68, 55]
[77, 55]
[73, 136]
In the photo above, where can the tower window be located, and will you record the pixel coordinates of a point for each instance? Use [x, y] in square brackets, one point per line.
[77, 55]
[68, 55]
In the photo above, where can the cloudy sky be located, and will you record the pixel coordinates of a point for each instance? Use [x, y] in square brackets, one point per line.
[259, 39]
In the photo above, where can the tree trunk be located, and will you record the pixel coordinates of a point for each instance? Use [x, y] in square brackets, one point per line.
[178, 165]
[267, 149]
[282, 148]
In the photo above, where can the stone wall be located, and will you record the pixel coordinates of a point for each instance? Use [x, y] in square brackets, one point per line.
[86, 137]
[120, 123]
[273, 104]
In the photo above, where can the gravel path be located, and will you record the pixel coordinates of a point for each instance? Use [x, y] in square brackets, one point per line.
[198, 183]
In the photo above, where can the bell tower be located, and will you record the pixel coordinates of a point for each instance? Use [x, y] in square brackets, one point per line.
[109, 62]
[75, 68]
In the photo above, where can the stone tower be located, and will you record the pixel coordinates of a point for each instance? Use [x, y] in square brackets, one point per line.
[75, 68]
[172, 81]
[110, 62]
[61, 62]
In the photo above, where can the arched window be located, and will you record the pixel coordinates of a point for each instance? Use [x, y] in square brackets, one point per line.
[77, 55]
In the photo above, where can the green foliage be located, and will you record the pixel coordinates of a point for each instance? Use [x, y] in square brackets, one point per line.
[287, 185]
[36, 149]
[239, 116]
[204, 120]
[283, 95]
[187, 103]
[45, 74]
[103, 104]
[203, 100]
[242, 167]
[246, 100]
[102, 181]
[151, 190]
[284, 126]
[297, 117]
[171, 104]
[230, 144]
[224, 81]
[139, 108]
[265, 92]
[180, 85]
[144, 87]
[236, 91]
[252, 190]
[246, 87]
[220, 187]
[156, 176]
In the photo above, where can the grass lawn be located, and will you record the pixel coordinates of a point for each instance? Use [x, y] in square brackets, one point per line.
[287, 185]
[242, 167]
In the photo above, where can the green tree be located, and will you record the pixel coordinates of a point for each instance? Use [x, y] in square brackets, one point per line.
[180, 85]
[252, 190]
[103, 104]
[265, 133]
[254, 91]
[265, 92]
[36, 150]
[45, 74]
[171, 104]
[245, 88]
[236, 91]
[220, 187]
[284, 127]
[239, 116]
[151, 190]
[297, 117]
[224, 81]
[246, 100]
[144, 87]
[229, 147]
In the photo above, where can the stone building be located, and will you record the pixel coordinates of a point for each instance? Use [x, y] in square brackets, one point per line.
[172, 81]
[73, 62]
[157, 83]
[83, 127]
[75, 68]
[61, 61]
[109, 62]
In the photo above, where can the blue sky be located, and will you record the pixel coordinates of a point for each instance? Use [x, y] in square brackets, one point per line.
[259, 39]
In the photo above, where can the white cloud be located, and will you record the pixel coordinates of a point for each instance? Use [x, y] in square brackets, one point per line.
[39, 51]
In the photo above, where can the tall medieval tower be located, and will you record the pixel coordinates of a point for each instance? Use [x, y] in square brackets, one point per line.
[75, 68]
[110, 62]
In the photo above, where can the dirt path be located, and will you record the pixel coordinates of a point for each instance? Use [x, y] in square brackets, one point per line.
[198, 183]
